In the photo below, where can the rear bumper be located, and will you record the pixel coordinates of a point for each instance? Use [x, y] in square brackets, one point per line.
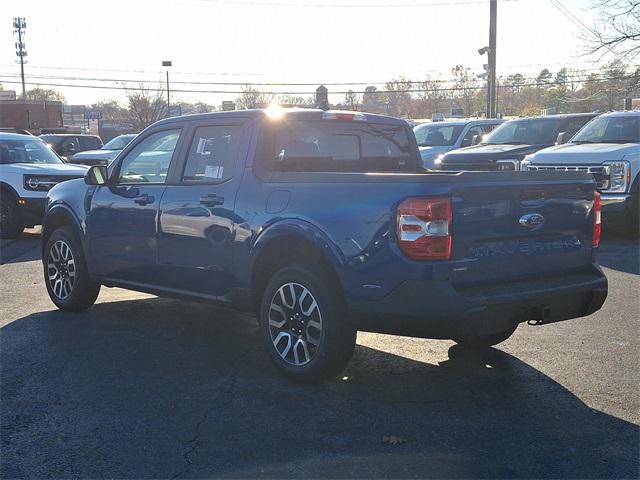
[440, 310]
[32, 210]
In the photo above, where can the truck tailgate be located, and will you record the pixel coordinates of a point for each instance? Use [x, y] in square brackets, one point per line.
[520, 225]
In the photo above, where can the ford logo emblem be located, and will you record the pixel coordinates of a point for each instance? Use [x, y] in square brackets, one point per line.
[532, 221]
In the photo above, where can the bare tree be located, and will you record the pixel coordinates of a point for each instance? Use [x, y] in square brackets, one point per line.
[618, 31]
[252, 98]
[466, 89]
[145, 106]
[44, 95]
[296, 100]
[351, 100]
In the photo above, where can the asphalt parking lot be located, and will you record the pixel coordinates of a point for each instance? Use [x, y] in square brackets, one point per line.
[145, 387]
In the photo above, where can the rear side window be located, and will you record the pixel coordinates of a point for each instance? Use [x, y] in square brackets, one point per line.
[335, 146]
[212, 154]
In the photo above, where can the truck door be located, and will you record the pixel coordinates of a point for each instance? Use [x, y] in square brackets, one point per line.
[122, 221]
[197, 221]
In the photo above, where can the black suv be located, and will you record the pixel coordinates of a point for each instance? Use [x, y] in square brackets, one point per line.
[508, 144]
[66, 145]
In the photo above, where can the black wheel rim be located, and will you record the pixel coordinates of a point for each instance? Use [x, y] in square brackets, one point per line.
[61, 269]
[295, 324]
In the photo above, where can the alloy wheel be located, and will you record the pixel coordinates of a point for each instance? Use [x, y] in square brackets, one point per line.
[295, 324]
[61, 269]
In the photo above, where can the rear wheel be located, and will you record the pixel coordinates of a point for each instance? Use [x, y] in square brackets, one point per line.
[10, 220]
[304, 324]
[65, 272]
[485, 341]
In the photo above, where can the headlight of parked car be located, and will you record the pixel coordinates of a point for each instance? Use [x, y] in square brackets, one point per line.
[508, 165]
[38, 183]
[619, 176]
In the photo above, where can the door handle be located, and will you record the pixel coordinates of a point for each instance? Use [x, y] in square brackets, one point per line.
[144, 199]
[211, 200]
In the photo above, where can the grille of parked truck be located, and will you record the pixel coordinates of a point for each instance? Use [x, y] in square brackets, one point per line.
[323, 224]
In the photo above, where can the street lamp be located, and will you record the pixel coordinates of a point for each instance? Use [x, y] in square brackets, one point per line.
[167, 63]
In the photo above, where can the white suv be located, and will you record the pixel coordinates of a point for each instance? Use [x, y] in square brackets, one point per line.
[28, 169]
[608, 147]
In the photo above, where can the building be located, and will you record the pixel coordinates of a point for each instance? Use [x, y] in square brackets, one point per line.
[31, 115]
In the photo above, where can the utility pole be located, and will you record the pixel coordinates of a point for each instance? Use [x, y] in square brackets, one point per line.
[19, 25]
[167, 63]
[493, 87]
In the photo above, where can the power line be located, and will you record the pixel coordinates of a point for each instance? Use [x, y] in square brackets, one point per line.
[350, 5]
[570, 75]
[239, 92]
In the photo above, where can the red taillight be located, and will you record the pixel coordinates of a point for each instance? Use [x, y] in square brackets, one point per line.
[597, 219]
[424, 228]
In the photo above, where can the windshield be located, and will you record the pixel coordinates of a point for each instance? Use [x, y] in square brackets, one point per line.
[118, 143]
[26, 151]
[534, 131]
[610, 130]
[433, 135]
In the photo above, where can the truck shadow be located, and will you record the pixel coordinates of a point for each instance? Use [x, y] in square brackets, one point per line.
[620, 253]
[25, 248]
[160, 388]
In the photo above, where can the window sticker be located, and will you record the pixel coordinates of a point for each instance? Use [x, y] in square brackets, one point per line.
[212, 171]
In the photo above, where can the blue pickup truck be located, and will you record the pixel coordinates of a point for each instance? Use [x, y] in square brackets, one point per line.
[324, 223]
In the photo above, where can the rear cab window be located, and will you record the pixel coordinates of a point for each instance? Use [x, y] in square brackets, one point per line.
[337, 146]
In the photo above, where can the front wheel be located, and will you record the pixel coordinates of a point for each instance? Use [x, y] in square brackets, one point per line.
[485, 341]
[65, 272]
[304, 324]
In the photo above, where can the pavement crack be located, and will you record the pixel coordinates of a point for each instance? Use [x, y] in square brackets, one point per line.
[194, 442]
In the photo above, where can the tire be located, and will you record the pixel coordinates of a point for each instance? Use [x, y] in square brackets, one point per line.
[304, 324]
[10, 220]
[485, 341]
[65, 272]
[633, 226]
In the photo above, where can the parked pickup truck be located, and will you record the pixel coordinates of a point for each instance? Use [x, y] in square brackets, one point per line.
[608, 147]
[324, 223]
[507, 145]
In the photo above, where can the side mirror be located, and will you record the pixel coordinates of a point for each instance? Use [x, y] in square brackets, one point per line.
[96, 175]
[563, 137]
[69, 149]
[476, 139]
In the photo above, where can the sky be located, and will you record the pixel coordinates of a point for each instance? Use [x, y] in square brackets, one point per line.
[304, 41]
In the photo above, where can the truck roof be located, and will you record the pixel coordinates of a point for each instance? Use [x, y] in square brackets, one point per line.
[297, 113]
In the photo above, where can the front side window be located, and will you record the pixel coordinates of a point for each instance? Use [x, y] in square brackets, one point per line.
[336, 146]
[26, 151]
[149, 161]
[623, 129]
[434, 135]
[472, 132]
[212, 154]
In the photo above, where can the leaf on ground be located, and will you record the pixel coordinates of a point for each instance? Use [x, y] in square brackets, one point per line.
[393, 440]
